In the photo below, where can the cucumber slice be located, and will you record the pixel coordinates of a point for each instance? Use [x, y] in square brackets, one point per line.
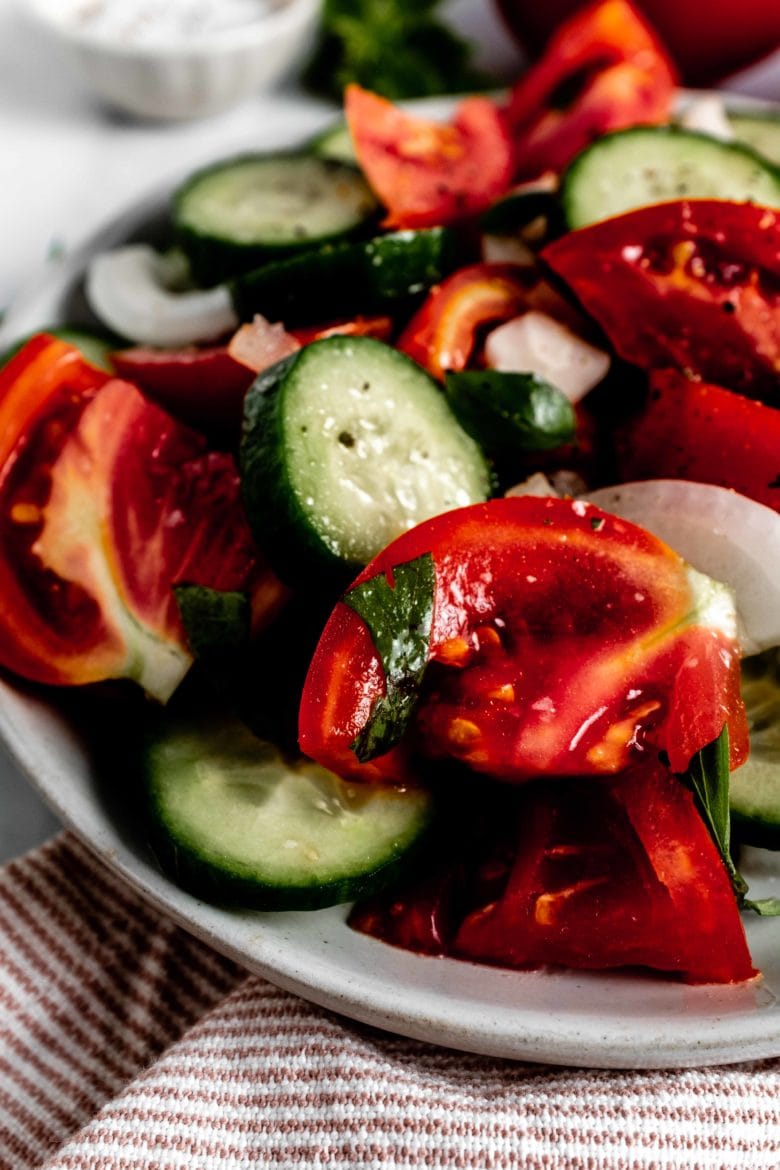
[387, 272]
[347, 444]
[754, 789]
[759, 130]
[335, 142]
[236, 822]
[652, 164]
[236, 215]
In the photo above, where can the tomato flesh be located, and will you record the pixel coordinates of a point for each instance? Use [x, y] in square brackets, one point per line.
[696, 431]
[427, 173]
[602, 70]
[443, 333]
[107, 502]
[564, 641]
[709, 265]
[580, 874]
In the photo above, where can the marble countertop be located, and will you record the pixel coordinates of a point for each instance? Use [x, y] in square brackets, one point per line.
[68, 164]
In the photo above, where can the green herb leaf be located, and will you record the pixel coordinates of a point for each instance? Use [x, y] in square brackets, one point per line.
[708, 776]
[217, 624]
[399, 618]
[510, 414]
[766, 907]
[394, 47]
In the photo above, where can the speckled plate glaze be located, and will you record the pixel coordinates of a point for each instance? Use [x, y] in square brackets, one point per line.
[598, 1020]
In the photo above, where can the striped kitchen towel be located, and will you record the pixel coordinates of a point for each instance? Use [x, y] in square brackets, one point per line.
[126, 1043]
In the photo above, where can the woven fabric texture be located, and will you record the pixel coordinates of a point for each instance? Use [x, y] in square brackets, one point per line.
[124, 1042]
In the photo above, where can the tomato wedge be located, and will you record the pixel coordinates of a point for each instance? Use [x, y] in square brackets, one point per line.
[564, 641]
[696, 431]
[443, 332]
[690, 284]
[200, 385]
[427, 173]
[106, 503]
[580, 874]
[604, 69]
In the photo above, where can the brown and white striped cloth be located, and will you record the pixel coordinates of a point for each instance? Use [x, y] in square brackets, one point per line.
[126, 1043]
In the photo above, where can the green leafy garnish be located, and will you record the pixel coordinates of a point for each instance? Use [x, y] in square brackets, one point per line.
[509, 413]
[766, 907]
[216, 623]
[397, 48]
[399, 618]
[708, 776]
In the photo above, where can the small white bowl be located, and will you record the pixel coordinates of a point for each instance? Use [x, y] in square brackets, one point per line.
[185, 76]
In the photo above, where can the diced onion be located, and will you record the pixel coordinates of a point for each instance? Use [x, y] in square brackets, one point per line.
[538, 344]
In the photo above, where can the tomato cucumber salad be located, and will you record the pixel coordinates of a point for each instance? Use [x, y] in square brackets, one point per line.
[426, 481]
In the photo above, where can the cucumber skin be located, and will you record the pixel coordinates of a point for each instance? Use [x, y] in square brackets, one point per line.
[213, 261]
[221, 887]
[753, 831]
[340, 280]
[179, 861]
[751, 120]
[569, 180]
[278, 522]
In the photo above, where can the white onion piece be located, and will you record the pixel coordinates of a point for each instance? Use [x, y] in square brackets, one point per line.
[127, 290]
[721, 533]
[707, 115]
[261, 343]
[507, 250]
[538, 344]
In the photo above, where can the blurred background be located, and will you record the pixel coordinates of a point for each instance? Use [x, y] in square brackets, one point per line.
[74, 75]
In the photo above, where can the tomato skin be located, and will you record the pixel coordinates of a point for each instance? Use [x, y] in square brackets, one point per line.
[707, 265]
[105, 506]
[707, 38]
[621, 74]
[426, 173]
[619, 875]
[379, 326]
[705, 433]
[201, 385]
[576, 873]
[443, 332]
[556, 649]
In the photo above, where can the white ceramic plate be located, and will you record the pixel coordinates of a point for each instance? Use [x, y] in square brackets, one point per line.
[610, 1021]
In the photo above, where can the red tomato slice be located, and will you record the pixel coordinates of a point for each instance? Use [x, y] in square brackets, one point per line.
[564, 641]
[604, 69]
[696, 431]
[612, 876]
[580, 874]
[443, 332]
[689, 284]
[380, 327]
[707, 38]
[200, 385]
[426, 173]
[105, 506]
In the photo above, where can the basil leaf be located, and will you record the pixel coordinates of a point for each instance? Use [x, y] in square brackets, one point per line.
[399, 618]
[510, 414]
[217, 623]
[766, 907]
[708, 776]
